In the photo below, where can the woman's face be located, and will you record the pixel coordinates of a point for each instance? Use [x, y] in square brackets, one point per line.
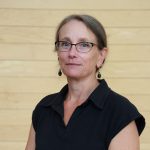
[75, 64]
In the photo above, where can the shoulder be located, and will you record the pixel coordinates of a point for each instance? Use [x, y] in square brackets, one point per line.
[121, 111]
[53, 99]
[47, 100]
[119, 102]
[41, 108]
[44, 103]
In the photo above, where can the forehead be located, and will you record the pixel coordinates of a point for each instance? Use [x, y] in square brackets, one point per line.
[76, 29]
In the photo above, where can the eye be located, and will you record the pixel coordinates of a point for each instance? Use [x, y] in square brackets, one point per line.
[85, 44]
[64, 44]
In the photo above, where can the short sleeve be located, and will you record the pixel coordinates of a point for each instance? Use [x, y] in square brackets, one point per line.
[123, 113]
[40, 109]
[35, 118]
[37, 114]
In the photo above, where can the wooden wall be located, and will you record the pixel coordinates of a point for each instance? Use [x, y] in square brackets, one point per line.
[28, 65]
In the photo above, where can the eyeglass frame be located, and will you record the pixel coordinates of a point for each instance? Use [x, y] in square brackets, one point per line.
[71, 44]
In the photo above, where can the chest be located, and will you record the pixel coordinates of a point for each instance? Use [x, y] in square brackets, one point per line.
[85, 129]
[69, 109]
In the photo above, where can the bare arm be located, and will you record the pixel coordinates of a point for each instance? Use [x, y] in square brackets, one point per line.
[126, 139]
[31, 139]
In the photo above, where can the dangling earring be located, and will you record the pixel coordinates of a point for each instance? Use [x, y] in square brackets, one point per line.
[99, 75]
[59, 72]
[98, 72]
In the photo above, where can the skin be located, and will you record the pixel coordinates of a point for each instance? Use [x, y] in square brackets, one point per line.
[80, 70]
[31, 139]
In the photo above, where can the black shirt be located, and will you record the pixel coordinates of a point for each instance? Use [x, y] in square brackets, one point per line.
[92, 125]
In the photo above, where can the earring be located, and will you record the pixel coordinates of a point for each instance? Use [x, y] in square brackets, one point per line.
[99, 75]
[59, 72]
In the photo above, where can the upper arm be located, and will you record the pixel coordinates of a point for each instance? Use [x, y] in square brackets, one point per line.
[31, 139]
[126, 139]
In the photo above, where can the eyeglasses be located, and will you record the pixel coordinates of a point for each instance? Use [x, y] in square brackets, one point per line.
[83, 47]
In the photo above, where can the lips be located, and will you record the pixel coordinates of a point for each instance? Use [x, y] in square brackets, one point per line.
[73, 64]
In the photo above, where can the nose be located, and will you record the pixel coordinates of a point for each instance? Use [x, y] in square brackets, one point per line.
[72, 51]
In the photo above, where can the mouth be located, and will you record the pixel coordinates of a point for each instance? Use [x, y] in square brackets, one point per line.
[73, 64]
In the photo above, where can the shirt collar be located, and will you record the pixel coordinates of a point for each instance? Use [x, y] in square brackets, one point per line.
[56, 101]
[98, 96]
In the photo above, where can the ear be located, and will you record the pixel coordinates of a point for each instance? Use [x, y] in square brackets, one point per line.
[102, 56]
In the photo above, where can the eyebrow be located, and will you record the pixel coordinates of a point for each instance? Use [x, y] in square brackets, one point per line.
[79, 40]
[65, 39]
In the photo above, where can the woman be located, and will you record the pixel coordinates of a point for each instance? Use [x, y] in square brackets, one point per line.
[86, 114]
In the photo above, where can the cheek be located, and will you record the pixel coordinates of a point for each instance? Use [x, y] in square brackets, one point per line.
[61, 58]
[90, 63]
[92, 60]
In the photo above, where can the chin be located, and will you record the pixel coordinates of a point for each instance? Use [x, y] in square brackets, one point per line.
[73, 75]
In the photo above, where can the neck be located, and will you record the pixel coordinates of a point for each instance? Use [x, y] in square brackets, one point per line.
[79, 90]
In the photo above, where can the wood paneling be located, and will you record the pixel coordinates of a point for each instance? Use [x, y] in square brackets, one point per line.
[28, 63]
[7, 145]
[31, 84]
[130, 85]
[140, 101]
[20, 100]
[51, 18]
[71, 4]
[15, 117]
[28, 52]
[44, 35]
[140, 53]
[14, 133]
